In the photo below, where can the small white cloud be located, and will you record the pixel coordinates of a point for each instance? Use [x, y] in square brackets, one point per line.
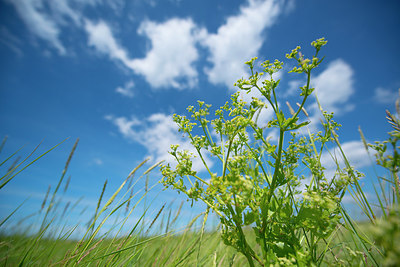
[238, 40]
[290, 6]
[97, 161]
[38, 22]
[116, 5]
[385, 96]
[126, 90]
[170, 61]
[100, 36]
[125, 125]
[157, 133]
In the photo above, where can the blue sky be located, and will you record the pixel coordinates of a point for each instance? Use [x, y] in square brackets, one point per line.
[112, 72]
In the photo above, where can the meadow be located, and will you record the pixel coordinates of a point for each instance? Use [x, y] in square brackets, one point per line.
[275, 204]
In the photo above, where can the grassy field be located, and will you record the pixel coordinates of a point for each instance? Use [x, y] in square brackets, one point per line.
[166, 245]
[187, 248]
[157, 240]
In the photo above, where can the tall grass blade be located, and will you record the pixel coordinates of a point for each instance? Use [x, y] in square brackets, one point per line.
[12, 213]
[10, 178]
[59, 182]
[3, 143]
[202, 234]
[355, 232]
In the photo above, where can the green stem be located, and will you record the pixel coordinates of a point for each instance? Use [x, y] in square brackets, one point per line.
[302, 103]
[277, 164]
[247, 250]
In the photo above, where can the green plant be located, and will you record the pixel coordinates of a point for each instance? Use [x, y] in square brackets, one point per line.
[386, 230]
[259, 181]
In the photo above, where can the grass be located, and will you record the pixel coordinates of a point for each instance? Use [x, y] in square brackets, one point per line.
[53, 243]
[155, 239]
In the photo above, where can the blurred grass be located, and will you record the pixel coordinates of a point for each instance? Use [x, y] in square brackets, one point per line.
[155, 239]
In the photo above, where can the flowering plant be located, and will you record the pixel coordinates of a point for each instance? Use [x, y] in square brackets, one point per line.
[259, 183]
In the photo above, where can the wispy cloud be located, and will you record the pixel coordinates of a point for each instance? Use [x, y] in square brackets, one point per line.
[63, 13]
[156, 133]
[97, 161]
[10, 40]
[126, 90]
[39, 23]
[385, 96]
[238, 40]
[46, 19]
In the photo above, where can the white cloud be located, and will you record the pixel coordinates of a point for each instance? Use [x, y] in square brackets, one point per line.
[294, 86]
[385, 96]
[238, 40]
[125, 126]
[169, 62]
[117, 5]
[100, 36]
[97, 161]
[334, 87]
[126, 90]
[156, 133]
[290, 6]
[10, 40]
[38, 22]
[264, 117]
[62, 9]
[355, 153]
[46, 18]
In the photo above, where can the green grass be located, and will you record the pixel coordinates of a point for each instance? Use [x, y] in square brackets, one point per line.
[156, 240]
[177, 249]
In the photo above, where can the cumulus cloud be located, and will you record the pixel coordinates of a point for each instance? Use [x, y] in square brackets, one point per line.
[334, 87]
[385, 96]
[156, 133]
[126, 90]
[170, 61]
[238, 40]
